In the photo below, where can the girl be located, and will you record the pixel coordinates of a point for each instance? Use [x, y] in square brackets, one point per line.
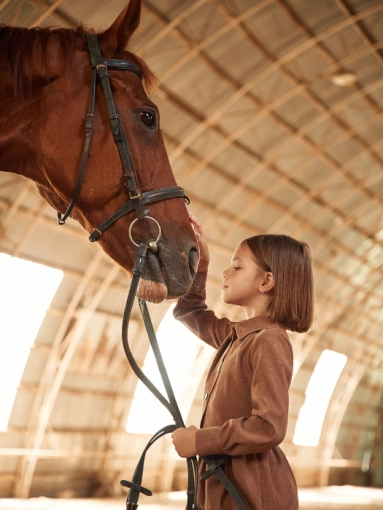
[246, 399]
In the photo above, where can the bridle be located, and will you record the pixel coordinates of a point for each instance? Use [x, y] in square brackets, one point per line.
[137, 202]
[137, 199]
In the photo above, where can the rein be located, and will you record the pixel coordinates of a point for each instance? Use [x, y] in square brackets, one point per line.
[137, 202]
[170, 403]
[214, 462]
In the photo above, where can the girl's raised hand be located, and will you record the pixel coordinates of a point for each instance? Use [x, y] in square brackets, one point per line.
[204, 256]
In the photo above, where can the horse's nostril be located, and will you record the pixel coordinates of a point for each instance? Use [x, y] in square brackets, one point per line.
[193, 260]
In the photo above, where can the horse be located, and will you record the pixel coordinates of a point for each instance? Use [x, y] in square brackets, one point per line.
[45, 90]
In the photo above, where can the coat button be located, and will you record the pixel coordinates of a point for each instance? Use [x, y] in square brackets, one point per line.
[205, 396]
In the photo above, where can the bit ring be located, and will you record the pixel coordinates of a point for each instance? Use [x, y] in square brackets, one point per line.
[152, 243]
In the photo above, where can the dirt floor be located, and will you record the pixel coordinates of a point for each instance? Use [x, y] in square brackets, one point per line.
[330, 498]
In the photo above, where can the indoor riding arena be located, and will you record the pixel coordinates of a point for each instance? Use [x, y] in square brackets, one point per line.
[137, 139]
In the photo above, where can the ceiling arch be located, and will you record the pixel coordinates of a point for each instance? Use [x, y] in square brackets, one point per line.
[263, 140]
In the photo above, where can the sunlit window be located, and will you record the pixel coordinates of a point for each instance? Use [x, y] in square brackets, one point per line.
[318, 393]
[26, 291]
[179, 348]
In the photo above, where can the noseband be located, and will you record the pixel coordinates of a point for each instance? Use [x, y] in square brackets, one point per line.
[137, 200]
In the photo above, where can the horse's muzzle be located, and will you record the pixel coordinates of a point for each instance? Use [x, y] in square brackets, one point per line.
[169, 273]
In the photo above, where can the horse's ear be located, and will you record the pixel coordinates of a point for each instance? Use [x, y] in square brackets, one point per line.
[118, 34]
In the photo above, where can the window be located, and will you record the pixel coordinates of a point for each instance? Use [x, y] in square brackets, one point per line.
[318, 393]
[26, 292]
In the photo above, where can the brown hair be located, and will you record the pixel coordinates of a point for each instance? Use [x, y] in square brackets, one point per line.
[292, 300]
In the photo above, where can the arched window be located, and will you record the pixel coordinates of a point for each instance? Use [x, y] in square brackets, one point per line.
[179, 348]
[26, 291]
[318, 393]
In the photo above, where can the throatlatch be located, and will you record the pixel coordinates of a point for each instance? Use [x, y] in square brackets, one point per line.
[214, 462]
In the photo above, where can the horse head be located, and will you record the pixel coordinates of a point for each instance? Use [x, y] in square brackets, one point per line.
[46, 98]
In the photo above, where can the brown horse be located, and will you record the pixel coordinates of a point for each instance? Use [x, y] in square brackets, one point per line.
[45, 94]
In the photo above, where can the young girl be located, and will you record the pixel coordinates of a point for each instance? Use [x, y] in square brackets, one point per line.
[245, 406]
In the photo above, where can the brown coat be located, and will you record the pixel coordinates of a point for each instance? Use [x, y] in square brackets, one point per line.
[245, 407]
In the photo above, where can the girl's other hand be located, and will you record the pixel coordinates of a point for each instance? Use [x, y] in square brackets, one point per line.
[204, 256]
[184, 442]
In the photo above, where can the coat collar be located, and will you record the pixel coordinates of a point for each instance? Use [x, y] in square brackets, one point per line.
[254, 325]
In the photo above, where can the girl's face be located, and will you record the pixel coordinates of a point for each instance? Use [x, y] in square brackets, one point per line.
[244, 281]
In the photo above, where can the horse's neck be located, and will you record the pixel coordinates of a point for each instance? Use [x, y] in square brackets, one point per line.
[23, 104]
[16, 133]
[20, 117]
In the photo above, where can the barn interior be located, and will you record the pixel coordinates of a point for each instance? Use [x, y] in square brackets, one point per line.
[272, 117]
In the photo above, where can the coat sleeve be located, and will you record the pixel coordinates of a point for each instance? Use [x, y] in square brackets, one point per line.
[271, 365]
[191, 310]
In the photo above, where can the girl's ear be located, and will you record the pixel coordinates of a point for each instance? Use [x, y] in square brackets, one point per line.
[267, 283]
[118, 34]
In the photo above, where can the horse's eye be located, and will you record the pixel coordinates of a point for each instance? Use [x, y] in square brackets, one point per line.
[148, 119]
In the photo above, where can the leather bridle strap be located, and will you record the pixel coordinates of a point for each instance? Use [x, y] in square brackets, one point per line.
[137, 200]
[99, 68]
[214, 462]
[61, 219]
[147, 197]
[101, 65]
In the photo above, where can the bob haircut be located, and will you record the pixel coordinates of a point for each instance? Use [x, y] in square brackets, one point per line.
[292, 299]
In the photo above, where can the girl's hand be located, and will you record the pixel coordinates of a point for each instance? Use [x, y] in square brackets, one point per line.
[204, 256]
[184, 442]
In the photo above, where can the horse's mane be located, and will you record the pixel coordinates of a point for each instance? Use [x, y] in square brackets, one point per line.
[20, 47]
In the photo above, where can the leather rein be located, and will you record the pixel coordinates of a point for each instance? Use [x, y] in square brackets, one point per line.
[214, 462]
[137, 202]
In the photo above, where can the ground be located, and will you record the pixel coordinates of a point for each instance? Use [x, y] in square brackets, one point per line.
[331, 498]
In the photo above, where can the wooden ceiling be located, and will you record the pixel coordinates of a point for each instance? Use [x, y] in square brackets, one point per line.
[271, 112]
